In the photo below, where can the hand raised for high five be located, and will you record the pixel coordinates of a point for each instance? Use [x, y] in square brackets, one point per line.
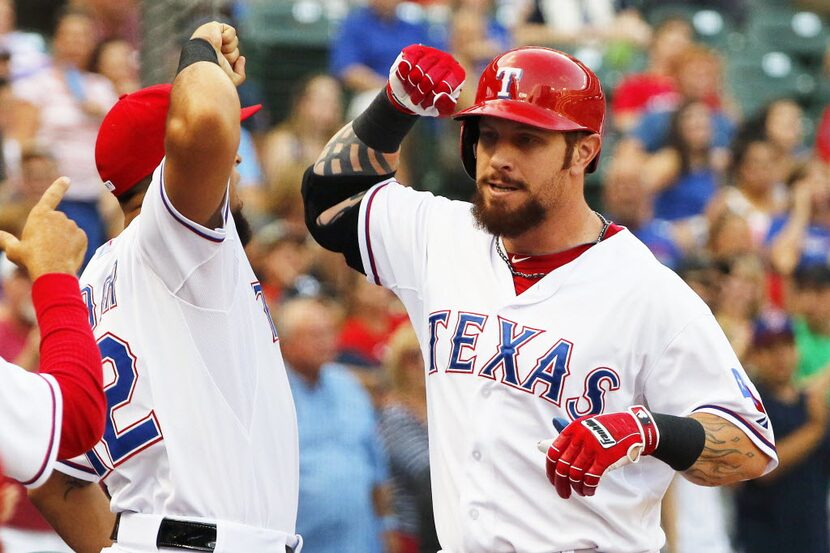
[224, 40]
[425, 81]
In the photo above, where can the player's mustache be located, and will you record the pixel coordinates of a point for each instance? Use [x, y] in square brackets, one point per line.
[499, 180]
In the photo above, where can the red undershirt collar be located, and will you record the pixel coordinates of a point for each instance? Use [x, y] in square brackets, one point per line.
[548, 262]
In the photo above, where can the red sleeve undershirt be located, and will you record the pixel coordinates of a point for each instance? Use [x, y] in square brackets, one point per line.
[69, 353]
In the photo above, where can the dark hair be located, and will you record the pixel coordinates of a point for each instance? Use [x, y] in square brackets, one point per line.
[140, 188]
[95, 59]
[799, 171]
[301, 87]
[699, 268]
[814, 275]
[754, 128]
[71, 11]
[740, 149]
[675, 137]
[571, 138]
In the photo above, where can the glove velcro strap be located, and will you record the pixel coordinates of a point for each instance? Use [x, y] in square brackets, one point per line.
[648, 428]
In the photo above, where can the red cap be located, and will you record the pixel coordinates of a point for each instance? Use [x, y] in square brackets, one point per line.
[130, 142]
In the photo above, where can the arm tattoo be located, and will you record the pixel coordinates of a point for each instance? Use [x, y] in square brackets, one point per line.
[725, 454]
[346, 154]
[332, 214]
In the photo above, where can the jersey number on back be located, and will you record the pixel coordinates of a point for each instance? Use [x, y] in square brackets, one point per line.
[122, 441]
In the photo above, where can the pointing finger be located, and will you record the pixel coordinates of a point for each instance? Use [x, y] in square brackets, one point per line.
[7, 240]
[53, 195]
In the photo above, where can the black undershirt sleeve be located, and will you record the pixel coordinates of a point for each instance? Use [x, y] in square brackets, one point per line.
[322, 192]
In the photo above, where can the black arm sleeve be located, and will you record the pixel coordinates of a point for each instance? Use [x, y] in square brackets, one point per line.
[322, 192]
[681, 440]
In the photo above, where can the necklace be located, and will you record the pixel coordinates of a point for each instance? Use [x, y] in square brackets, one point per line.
[605, 224]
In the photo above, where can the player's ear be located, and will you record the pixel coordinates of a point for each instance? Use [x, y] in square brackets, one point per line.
[587, 148]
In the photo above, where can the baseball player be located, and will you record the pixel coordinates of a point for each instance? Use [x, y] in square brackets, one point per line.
[200, 447]
[529, 307]
[59, 411]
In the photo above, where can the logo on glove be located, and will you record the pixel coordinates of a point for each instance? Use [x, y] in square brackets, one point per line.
[600, 432]
[643, 417]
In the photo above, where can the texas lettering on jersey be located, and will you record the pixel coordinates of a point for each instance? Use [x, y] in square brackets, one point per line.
[542, 375]
[610, 329]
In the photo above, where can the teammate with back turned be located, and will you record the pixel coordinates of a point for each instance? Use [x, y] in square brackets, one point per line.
[529, 307]
[57, 412]
[200, 448]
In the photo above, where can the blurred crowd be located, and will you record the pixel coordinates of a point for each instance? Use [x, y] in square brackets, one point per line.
[734, 196]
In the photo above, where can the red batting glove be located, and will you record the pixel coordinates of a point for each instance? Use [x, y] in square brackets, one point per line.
[425, 81]
[589, 446]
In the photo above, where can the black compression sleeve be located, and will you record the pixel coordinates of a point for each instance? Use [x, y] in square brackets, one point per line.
[382, 127]
[322, 192]
[681, 440]
[195, 50]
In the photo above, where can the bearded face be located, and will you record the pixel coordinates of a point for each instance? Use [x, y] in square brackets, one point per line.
[243, 226]
[503, 219]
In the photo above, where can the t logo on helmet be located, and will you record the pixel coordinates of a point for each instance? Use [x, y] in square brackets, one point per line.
[506, 75]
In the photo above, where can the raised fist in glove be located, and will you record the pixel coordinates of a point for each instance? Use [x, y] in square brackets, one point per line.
[425, 81]
[590, 445]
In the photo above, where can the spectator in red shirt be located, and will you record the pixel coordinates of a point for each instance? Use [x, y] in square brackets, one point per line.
[370, 320]
[655, 87]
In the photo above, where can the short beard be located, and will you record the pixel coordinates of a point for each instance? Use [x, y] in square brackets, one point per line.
[243, 226]
[499, 221]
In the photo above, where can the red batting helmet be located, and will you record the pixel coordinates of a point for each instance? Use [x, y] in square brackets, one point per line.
[536, 86]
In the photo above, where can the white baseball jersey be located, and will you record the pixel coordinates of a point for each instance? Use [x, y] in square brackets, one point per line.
[201, 420]
[31, 409]
[610, 329]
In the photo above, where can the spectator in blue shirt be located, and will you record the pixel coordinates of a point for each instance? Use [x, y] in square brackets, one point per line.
[787, 509]
[343, 472]
[698, 75]
[628, 203]
[652, 130]
[802, 237]
[403, 430]
[681, 174]
[368, 42]
[476, 36]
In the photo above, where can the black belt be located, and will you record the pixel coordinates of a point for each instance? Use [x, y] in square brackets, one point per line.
[183, 534]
